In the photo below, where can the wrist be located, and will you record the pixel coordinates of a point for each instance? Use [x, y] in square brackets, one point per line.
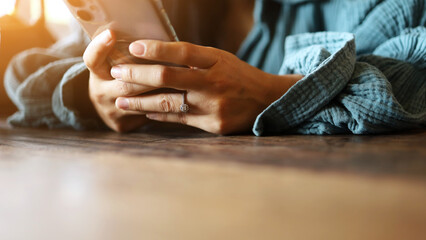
[278, 85]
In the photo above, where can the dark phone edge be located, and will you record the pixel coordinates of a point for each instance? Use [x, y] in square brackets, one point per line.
[165, 20]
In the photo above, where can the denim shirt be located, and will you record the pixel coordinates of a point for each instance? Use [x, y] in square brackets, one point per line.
[364, 64]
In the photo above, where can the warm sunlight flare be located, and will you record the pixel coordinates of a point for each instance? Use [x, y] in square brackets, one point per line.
[56, 12]
[6, 7]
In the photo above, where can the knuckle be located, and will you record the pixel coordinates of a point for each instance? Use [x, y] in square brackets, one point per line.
[218, 81]
[186, 51]
[172, 103]
[163, 75]
[154, 50]
[111, 114]
[136, 104]
[125, 88]
[225, 56]
[127, 73]
[166, 104]
[97, 97]
[220, 84]
[100, 98]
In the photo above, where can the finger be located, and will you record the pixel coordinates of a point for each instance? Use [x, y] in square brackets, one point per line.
[160, 76]
[159, 103]
[96, 54]
[182, 118]
[134, 113]
[180, 53]
[119, 88]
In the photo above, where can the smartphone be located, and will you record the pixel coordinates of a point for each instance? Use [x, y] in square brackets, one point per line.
[130, 20]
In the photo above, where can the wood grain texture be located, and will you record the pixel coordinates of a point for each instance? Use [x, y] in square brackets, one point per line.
[180, 183]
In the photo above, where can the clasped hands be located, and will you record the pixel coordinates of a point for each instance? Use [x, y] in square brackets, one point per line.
[225, 94]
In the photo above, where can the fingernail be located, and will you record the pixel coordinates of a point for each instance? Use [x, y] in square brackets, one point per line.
[137, 49]
[106, 37]
[122, 103]
[116, 72]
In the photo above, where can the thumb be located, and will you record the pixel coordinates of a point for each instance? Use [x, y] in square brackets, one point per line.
[96, 54]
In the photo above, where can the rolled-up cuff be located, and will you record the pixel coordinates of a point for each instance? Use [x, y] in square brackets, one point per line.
[327, 60]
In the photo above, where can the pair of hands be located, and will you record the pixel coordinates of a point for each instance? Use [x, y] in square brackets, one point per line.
[225, 94]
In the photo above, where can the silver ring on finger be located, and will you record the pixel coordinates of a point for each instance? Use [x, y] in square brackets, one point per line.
[184, 108]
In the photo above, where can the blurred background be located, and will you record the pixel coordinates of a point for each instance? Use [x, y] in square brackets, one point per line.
[29, 11]
[26, 24]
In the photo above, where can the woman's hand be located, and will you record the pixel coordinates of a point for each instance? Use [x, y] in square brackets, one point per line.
[104, 89]
[225, 94]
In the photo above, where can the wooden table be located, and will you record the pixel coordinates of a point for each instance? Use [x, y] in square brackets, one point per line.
[180, 183]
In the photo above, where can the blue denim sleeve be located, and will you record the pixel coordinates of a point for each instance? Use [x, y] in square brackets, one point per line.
[376, 93]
